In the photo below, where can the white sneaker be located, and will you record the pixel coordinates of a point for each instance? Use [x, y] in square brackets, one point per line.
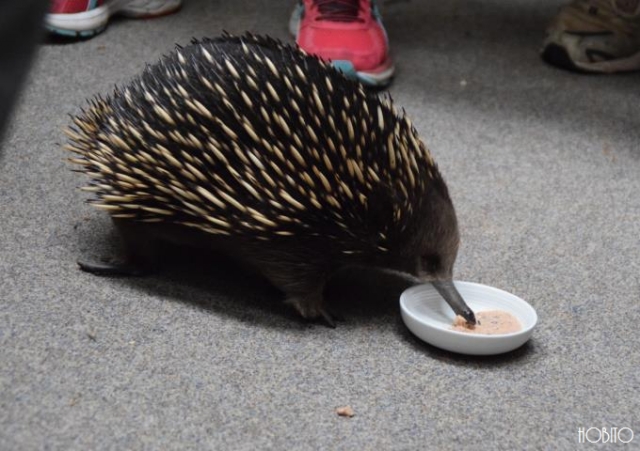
[86, 18]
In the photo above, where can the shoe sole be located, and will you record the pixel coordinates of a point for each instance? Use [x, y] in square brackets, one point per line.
[90, 23]
[558, 56]
[378, 77]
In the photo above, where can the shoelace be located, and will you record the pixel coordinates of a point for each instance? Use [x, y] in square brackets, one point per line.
[339, 10]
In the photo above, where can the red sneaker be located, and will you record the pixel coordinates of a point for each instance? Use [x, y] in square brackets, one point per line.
[349, 33]
[85, 18]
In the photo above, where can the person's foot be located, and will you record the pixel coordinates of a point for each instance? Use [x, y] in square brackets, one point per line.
[595, 36]
[349, 33]
[86, 18]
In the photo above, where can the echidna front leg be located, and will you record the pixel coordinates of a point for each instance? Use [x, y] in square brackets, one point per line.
[303, 285]
[311, 306]
[138, 257]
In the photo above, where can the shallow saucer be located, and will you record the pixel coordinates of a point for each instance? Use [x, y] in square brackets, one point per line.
[430, 318]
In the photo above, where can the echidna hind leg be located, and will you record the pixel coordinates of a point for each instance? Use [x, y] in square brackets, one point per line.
[138, 259]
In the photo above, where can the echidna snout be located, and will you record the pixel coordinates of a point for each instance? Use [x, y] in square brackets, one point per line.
[253, 148]
[437, 250]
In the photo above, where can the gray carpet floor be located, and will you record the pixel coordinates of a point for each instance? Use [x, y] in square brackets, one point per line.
[543, 166]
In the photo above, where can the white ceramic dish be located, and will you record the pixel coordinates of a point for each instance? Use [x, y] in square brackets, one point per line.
[429, 317]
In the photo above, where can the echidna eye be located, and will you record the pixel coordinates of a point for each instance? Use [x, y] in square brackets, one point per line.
[430, 263]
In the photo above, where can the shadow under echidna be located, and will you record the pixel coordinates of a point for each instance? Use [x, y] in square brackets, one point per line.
[255, 149]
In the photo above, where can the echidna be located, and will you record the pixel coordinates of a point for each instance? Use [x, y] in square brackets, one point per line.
[254, 148]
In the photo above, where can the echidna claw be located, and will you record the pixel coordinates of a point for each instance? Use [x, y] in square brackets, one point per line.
[328, 319]
[311, 311]
[111, 269]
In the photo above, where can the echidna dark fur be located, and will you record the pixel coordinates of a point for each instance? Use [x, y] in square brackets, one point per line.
[256, 149]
